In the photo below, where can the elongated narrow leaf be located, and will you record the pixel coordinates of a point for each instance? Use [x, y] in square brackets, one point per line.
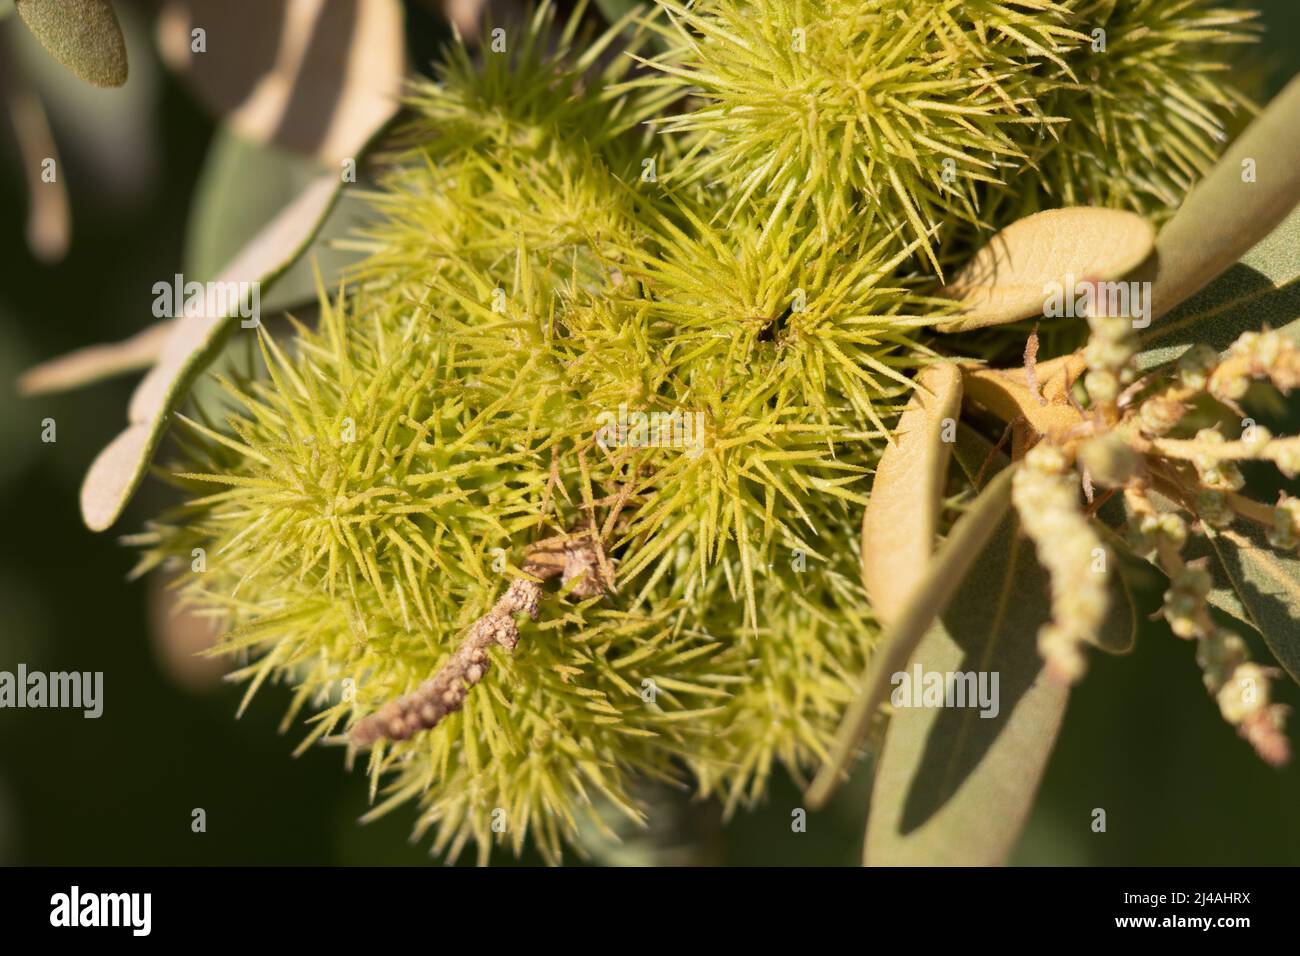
[1262, 289]
[263, 176]
[1008, 279]
[1263, 589]
[955, 784]
[1250, 190]
[119, 468]
[899, 525]
[49, 219]
[945, 573]
[97, 362]
[83, 35]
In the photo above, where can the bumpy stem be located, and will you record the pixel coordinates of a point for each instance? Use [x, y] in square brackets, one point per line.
[446, 691]
[578, 561]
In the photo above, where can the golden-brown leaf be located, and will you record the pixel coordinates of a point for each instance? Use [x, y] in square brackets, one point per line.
[96, 362]
[1008, 279]
[898, 527]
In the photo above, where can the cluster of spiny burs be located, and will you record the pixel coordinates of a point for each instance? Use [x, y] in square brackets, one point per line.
[563, 490]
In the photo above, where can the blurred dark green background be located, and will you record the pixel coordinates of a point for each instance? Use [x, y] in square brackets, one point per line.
[1142, 740]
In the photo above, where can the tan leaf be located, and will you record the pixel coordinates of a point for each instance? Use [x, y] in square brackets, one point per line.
[49, 222]
[1008, 279]
[119, 468]
[83, 35]
[313, 76]
[96, 362]
[899, 525]
[180, 639]
[1007, 394]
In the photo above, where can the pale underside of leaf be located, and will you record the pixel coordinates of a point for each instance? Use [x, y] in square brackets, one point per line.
[1010, 278]
[929, 599]
[97, 362]
[83, 35]
[119, 468]
[312, 76]
[49, 219]
[899, 525]
[1042, 405]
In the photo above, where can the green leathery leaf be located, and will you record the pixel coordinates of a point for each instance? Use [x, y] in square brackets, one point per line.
[953, 787]
[1263, 589]
[946, 571]
[83, 35]
[979, 458]
[1262, 289]
[1228, 212]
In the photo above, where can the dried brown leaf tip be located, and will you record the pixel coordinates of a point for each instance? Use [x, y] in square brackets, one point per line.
[580, 564]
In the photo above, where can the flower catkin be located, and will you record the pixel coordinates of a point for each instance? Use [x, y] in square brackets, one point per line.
[1045, 492]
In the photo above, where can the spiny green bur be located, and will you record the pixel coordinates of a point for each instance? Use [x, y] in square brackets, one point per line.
[743, 234]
